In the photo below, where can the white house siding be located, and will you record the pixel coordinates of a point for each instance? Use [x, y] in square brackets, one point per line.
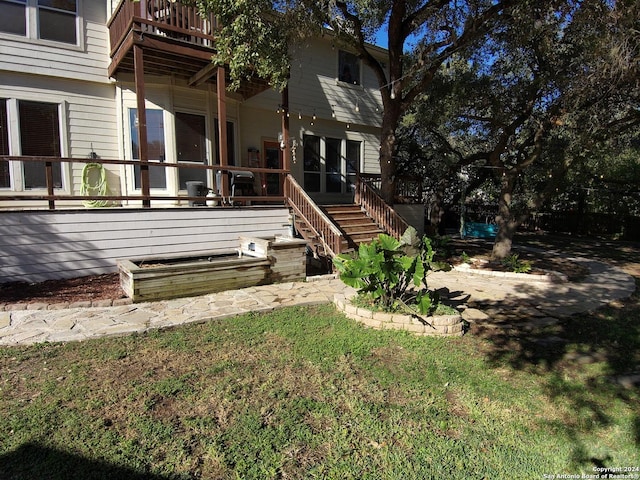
[36, 246]
[89, 121]
[314, 90]
[87, 61]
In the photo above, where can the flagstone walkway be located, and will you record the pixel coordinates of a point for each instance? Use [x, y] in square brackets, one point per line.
[498, 301]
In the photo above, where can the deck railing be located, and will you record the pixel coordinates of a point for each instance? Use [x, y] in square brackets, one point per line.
[316, 221]
[53, 194]
[378, 209]
[408, 189]
[162, 17]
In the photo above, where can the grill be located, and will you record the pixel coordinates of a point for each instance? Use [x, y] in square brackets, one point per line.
[237, 179]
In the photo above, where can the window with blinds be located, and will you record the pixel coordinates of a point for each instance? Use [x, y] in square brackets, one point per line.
[5, 179]
[39, 137]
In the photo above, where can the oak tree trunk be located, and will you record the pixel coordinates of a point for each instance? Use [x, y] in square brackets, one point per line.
[505, 220]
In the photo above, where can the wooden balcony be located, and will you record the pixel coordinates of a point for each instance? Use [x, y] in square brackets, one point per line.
[175, 39]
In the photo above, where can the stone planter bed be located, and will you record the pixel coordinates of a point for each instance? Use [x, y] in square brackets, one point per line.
[439, 326]
[547, 277]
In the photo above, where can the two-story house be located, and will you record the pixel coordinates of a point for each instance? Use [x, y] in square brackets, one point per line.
[91, 79]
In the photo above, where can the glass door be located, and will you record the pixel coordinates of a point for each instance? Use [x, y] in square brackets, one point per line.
[273, 159]
[191, 146]
[155, 146]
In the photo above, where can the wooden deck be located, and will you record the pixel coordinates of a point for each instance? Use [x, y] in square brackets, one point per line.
[174, 39]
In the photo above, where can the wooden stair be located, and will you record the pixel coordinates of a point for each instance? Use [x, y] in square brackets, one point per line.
[312, 240]
[356, 226]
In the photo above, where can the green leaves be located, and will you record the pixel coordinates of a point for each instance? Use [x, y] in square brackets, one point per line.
[390, 271]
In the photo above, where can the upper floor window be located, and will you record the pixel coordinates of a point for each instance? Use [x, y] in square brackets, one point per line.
[54, 20]
[14, 17]
[57, 20]
[348, 68]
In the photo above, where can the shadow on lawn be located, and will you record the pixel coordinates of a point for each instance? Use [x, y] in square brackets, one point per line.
[32, 461]
[562, 354]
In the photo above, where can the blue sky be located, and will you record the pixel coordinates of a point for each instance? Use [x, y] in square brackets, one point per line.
[381, 38]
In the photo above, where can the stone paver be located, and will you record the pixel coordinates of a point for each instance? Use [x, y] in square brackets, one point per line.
[500, 302]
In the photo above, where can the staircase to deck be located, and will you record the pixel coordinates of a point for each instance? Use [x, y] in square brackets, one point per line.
[356, 226]
[334, 229]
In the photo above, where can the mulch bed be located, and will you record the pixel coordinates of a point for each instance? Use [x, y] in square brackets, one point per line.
[90, 288]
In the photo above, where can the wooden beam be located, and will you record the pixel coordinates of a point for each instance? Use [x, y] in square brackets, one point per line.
[119, 55]
[143, 144]
[222, 129]
[176, 47]
[203, 75]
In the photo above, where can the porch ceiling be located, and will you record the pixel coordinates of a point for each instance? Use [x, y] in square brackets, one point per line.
[165, 56]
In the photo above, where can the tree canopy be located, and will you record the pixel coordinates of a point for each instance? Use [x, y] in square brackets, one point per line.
[534, 103]
[518, 91]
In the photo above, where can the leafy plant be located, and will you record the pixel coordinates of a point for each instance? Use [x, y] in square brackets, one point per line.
[392, 273]
[513, 263]
[465, 257]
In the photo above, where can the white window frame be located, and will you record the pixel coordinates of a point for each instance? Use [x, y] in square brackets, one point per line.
[343, 162]
[33, 31]
[169, 149]
[15, 149]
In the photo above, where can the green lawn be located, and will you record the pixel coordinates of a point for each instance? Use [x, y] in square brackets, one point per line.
[306, 393]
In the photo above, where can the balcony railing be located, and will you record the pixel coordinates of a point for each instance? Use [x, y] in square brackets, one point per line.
[51, 195]
[161, 17]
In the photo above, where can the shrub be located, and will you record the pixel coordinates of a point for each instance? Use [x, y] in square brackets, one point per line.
[513, 263]
[391, 274]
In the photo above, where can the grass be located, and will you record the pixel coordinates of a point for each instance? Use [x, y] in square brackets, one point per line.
[306, 393]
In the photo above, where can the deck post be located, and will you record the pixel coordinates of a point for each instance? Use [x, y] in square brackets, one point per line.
[143, 144]
[48, 165]
[222, 130]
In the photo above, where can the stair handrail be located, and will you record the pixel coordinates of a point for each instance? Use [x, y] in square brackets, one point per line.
[379, 210]
[303, 205]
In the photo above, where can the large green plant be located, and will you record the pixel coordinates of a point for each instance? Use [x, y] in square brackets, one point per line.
[393, 272]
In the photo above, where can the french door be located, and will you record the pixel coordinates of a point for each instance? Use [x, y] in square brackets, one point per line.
[191, 147]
